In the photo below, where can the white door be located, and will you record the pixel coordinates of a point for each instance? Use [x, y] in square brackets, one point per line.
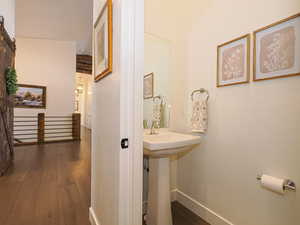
[117, 114]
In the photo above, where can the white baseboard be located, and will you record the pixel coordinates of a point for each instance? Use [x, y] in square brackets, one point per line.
[174, 195]
[93, 217]
[202, 211]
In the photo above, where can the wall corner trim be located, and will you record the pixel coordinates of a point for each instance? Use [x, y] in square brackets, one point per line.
[174, 195]
[205, 213]
[93, 218]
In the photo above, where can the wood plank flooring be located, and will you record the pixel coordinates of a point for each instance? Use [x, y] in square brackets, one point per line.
[50, 185]
[183, 216]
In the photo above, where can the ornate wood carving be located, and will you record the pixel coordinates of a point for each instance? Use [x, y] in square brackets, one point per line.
[7, 58]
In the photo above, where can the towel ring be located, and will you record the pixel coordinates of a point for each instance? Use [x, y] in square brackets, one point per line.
[157, 97]
[201, 90]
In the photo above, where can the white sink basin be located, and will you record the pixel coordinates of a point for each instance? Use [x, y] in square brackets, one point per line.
[159, 147]
[167, 143]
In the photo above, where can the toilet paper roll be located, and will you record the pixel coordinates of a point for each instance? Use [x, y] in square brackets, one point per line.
[273, 184]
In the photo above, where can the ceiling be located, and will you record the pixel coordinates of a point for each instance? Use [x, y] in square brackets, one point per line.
[65, 20]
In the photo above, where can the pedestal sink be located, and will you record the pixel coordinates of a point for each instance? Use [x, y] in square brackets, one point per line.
[159, 147]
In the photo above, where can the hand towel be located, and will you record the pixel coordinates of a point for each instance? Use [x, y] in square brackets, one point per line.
[157, 112]
[199, 120]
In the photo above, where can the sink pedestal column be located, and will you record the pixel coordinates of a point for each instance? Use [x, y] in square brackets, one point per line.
[159, 199]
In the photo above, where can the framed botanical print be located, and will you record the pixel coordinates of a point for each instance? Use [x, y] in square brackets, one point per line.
[148, 86]
[103, 42]
[30, 96]
[277, 50]
[233, 65]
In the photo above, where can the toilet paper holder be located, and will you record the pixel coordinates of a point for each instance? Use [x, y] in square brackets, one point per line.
[289, 185]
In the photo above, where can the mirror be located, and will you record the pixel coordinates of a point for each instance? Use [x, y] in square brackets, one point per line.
[157, 81]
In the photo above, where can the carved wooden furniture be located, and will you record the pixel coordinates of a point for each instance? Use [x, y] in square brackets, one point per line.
[7, 56]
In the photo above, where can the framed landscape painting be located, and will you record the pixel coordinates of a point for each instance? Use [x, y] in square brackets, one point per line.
[233, 65]
[30, 96]
[148, 86]
[103, 39]
[277, 50]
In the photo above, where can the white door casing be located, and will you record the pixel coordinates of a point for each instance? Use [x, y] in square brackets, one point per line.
[118, 113]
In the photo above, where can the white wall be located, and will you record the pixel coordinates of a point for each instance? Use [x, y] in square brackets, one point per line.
[7, 10]
[116, 175]
[85, 98]
[105, 135]
[52, 64]
[89, 104]
[253, 128]
[67, 20]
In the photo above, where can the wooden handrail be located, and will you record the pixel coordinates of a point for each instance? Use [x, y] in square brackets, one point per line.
[46, 130]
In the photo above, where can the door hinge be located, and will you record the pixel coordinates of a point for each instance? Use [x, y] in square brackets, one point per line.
[124, 143]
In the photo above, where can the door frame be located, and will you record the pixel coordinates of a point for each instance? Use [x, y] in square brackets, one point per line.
[131, 160]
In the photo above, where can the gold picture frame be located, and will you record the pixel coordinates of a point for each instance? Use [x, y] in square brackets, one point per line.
[242, 51]
[149, 86]
[262, 70]
[31, 96]
[103, 42]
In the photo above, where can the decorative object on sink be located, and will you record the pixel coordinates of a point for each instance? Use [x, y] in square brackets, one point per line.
[234, 62]
[163, 113]
[154, 124]
[199, 120]
[276, 49]
[148, 86]
[159, 148]
[157, 107]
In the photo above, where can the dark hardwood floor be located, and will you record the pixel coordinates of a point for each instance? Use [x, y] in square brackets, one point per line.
[50, 185]
[183, 216]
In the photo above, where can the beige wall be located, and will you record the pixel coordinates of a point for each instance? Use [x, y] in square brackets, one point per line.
[7, 10]
[253, 128]
[52, 64]
[56, 20]
[106, 135]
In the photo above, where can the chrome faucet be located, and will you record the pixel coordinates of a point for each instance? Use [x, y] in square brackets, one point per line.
[153, 128]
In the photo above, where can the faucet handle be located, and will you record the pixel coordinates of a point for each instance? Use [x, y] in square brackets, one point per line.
[154, 126]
